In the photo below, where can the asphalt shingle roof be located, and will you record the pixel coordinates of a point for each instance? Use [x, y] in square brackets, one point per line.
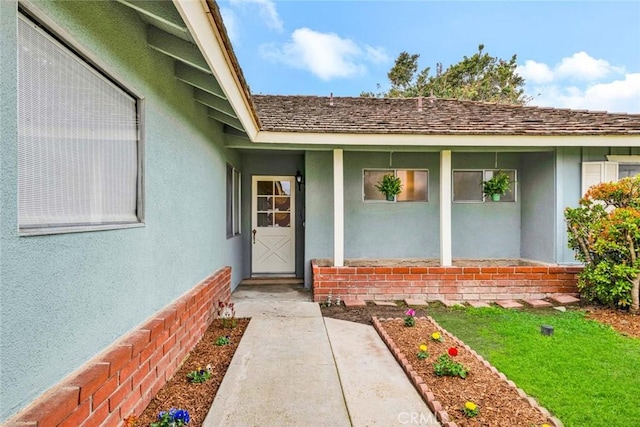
[436, 117]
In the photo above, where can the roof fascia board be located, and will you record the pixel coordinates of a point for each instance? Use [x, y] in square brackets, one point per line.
[345, 139]
[197, 18]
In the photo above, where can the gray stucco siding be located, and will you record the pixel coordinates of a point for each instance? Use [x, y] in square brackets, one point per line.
[489, 229]
[65, 297]
[537, 187]
[318, 242]
[390, 230]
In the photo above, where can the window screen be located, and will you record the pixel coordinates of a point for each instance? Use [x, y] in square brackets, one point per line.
[467, 186]
[78, 139]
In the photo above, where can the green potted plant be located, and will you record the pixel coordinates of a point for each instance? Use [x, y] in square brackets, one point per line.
[390, 186]
[496, 186]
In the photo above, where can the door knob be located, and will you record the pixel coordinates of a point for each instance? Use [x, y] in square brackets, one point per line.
[254, 235]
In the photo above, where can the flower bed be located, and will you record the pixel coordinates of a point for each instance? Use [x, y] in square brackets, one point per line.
[494, 399]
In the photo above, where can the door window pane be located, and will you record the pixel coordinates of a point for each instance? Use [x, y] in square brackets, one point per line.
[282, 188]
[265, 203]
[283, 219]
[265, 220]
[283, 204]
[265, 188]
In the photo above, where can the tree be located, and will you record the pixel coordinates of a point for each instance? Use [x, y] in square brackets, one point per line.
[605, 233]
[480, 77]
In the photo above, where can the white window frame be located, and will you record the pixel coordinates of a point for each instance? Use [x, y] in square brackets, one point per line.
[50, 29]
[486, 175]
[395, 173]
[233, 201]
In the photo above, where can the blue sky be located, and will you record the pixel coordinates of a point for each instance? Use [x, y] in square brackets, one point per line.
[576, 54]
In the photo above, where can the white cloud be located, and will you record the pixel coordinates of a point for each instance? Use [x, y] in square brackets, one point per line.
[536, 72]
[326, 55]
[581, 66]
[268, 12]
[619, 96]
[580, 81]
[377, 55]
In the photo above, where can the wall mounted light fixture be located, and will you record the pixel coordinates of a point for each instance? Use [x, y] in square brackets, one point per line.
[299, 179]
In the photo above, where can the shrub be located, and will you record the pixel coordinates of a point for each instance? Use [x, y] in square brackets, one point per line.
[604, 231]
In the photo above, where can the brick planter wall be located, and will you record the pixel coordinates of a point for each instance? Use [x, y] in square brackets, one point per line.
[124, 378]
[449, 283]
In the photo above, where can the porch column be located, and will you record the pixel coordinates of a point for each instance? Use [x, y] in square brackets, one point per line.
[445, 208]
[338, 208]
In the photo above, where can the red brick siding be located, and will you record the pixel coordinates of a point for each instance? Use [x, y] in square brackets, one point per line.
[123, 379]
[451, 283]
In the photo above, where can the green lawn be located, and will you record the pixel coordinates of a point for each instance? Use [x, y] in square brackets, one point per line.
[586, 374]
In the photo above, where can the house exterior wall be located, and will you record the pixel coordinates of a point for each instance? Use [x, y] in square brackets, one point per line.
[486, 230]
[271, 163]
[390, 230]
[537, 190]
[66, 297]
[318, 188]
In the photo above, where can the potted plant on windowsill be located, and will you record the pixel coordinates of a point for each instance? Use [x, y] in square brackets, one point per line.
[390, 186]
[496, 186]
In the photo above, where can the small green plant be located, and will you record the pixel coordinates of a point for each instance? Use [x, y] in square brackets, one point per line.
[444, 366]
[223, 340]
[390, 186]
[498, 184]
[199, 375]
[172, 418]
[470, 409]
[410, 317]
[422, 352]
[227, 313]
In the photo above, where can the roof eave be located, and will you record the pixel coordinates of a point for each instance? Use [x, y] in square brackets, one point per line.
[203, 20]
[372, 139]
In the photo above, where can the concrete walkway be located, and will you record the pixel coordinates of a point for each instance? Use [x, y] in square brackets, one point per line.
[295, 368]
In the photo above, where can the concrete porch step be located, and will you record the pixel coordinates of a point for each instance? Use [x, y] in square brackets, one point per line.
[272, 281]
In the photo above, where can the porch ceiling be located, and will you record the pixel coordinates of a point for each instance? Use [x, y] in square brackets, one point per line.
[168, 34]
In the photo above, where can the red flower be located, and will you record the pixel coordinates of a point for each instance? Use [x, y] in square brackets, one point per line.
[453, 351]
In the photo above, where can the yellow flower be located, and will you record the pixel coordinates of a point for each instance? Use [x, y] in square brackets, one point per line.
[423, 347]
[471, 406]
[546, 425]
[435, 335]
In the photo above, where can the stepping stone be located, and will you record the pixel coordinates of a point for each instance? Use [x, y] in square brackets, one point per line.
[416, 302]
[538, 303]
[561, 309]
[565, 299]
[509, 304]
[351, 303]
[385, 303]
[478, 304]
[449, 303]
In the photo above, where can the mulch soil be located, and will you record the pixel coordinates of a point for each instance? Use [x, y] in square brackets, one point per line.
[179, 393]
[499, 404]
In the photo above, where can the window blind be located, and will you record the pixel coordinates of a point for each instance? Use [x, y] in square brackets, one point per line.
[77, 138]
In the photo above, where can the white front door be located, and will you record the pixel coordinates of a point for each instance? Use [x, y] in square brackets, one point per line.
[273, 225]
